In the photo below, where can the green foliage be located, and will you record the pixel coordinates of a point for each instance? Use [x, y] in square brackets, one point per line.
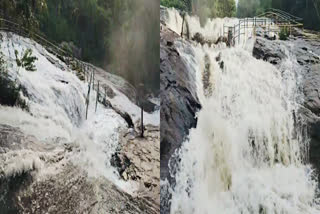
[178, 4]
[213, 8]
[247, 8]
[251, 8]
[135, 44]
[309, 10]
[204, 8]
[306, 9]
[23, 11]
[107, 32]
[10, 91]
[284, 33]
[26, 61]
[121, 36]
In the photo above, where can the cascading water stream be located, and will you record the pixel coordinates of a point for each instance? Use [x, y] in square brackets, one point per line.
[56, 100]
[246, 153]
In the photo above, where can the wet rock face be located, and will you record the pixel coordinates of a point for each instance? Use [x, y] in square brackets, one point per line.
[138, 160]
[179, 101]
[269, 51]
[306, 50]
[311, 89]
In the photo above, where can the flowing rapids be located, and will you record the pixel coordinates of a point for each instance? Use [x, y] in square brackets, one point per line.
[247, 154]
[56, 100]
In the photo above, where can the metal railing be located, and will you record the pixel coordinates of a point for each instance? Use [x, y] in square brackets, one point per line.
[72, 62]
[267, 21]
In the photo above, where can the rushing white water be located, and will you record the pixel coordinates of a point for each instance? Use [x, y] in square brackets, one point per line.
[56, 100]
[215, 28]
[212, 29]
[245, 155]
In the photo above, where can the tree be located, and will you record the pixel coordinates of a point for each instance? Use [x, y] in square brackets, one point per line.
[247, 8]
[121, 36]
[178, 4]
[23, 11]
[204, 8]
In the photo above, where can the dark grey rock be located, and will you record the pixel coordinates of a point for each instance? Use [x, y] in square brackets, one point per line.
[179, 103]
[311, 89]
[269, 51]
[198, 37]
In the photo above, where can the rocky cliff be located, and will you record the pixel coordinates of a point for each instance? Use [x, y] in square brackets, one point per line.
[179, 103]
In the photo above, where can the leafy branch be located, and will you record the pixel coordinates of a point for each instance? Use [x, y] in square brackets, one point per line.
[26, 61]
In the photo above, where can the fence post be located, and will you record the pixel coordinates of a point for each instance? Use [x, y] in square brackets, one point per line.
[183, 16]
[88, 74]
[142, 129]
[83, 71]
[93, 80]
[239, 31]
[97, 97]
[88, 97]
[105, 93]
[223, 30]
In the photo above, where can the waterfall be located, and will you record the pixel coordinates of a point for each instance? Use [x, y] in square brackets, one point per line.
[56, 111]
[212, 29]
[246, 154]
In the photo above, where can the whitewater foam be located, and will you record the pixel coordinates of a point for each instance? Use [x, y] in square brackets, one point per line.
[245, 155]
[56, 101]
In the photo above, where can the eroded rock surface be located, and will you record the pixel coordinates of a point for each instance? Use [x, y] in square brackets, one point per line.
[179, 104]
[179, 101]
[40, 178]
[138, 161]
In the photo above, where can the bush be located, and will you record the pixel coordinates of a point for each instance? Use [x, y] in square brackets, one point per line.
[284, 34]
[27, 60]
[9, 90]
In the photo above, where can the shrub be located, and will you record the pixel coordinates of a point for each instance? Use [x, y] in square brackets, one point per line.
[27, 60]
[284, 34]
[9, 90]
